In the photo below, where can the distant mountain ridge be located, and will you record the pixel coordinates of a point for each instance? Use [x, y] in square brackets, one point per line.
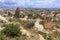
[14, 5]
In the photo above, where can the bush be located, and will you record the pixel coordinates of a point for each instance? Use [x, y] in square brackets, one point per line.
[50, 37]
[10, 19]
[30, 24]
[2, 36]
[57, 35]
[12, 30]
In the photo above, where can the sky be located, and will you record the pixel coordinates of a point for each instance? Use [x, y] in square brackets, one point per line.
[30, 3]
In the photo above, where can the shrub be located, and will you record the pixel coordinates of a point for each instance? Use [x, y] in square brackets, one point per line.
[12, 30]
[57, 35]
[50, 37]
[30, 24]
[10, 19]
[2, 36]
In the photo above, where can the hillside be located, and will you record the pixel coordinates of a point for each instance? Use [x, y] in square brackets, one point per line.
[34, 24]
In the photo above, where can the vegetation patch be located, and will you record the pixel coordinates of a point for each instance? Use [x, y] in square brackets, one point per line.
[12, 30]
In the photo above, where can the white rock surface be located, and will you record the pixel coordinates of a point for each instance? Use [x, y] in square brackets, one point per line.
[25, 18]
[3, 18]
[25, 32]
[38, 26]
[1, 28]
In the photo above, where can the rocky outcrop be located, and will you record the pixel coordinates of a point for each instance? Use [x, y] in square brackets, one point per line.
[17, 13]
[38, 26]
[3, 19]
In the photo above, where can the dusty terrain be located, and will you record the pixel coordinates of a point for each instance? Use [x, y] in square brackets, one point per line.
[35, 24]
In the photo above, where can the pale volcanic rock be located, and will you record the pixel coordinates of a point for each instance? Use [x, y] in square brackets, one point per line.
[3, 18]
[39, 26]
